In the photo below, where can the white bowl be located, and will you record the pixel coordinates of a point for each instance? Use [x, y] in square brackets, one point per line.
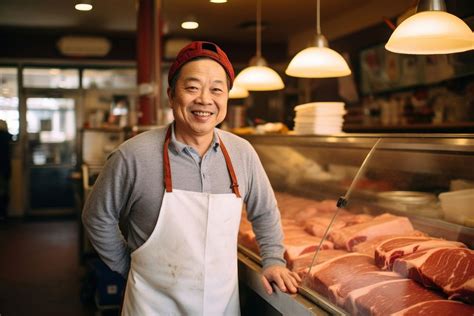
[458, 206]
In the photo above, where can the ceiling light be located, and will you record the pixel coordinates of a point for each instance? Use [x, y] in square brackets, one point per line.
[318, 61]
[259, 77]
[238, 92]
[218, 1]
[190, 24]
[83, 5]
[431, 30]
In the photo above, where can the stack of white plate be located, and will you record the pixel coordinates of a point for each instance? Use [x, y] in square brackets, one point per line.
[319, 118]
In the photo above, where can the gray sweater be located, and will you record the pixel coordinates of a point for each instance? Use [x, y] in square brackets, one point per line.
[130, 189]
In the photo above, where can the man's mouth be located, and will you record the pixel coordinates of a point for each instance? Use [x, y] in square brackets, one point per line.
[202, 113]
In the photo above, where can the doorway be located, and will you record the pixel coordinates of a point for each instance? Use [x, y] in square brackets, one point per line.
[50, 151]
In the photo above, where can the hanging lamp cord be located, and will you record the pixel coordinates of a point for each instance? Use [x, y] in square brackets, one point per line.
[318, 9]
[259, 29]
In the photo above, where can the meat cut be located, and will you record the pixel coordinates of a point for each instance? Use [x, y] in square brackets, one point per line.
[300, 243]
[441, 307]
[304, 261]
[338, 293]
[348, 237]
[368, 247]
[386, 298]
[337, 270]
[449, 269]
[391, 249]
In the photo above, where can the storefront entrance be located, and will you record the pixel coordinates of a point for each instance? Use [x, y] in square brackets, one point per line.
[50, 151]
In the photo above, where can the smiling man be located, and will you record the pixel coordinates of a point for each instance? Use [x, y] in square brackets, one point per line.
[181, 189]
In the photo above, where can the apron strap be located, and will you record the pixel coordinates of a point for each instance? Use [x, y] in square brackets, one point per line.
[166, 162]
[234, 185]
[167, 167]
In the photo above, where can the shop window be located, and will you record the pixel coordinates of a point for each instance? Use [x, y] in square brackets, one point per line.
[9, 99]
[109, 78]
[51, 78]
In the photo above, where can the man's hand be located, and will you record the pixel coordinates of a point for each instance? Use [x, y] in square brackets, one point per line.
[286, 280]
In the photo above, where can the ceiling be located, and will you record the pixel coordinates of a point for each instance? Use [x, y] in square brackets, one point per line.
[283, 18]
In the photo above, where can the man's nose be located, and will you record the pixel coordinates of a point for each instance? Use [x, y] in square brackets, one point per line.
[205, 97]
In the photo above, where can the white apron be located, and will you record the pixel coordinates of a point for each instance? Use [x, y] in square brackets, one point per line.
[188, 266]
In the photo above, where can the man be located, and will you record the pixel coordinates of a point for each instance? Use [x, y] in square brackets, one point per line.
[181, 190]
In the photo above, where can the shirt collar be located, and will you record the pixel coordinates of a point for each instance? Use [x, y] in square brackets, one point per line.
[179, 147]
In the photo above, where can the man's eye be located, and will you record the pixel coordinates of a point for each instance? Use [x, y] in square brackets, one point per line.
[217, 90]
[191, 88]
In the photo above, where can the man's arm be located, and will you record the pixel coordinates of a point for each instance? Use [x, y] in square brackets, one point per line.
[263, 212]
[102, 210]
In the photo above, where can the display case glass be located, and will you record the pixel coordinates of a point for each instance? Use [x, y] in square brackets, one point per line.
[401, 239]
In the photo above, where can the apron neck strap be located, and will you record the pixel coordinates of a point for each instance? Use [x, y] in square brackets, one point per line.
[166, 162]
[167, 166]
[230, 168]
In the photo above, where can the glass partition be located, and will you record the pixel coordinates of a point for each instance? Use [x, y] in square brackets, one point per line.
[403, 241]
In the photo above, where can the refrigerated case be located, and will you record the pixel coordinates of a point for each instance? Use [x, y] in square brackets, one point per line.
[401, 180]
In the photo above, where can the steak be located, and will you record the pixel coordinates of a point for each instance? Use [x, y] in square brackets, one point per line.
[339, 292]
[385, 224]
[337, 270]
[368, 247]
[449, 269]
[300, 243]
[317, 226]
[304, 261]
[391, 249]
[441, 307]
[388, 297]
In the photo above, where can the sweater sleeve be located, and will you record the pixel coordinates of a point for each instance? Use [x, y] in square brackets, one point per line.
[102, 211]
[263, 213]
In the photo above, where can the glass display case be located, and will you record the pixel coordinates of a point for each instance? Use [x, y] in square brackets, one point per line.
[402, 243]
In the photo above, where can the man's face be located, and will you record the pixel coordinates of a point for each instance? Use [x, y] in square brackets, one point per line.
[200, 98]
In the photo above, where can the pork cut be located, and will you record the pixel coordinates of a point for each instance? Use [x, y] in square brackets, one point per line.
[304, 261]
[337, 270]
[385, 224]
[368, 247]
[391, 249]
[386, 298]
[449, 269]
[441, 307]
[339, 292]
[317, 225]
[300, 243]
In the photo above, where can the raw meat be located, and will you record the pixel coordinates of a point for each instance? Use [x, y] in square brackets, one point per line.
[246, 235]
[433, 308]
[368, 247]
[339, 292]
[388, 297]
[303, 261]
[391, 249]
[337, 270]
[317, 226]
[297, 244]
[348, 237]
[450, 269]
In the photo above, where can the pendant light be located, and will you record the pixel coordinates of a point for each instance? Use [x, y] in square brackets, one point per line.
[83, 5]
[318, 61]
[431, 30]
[238, 92]
[259, 77]
[190, 24]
